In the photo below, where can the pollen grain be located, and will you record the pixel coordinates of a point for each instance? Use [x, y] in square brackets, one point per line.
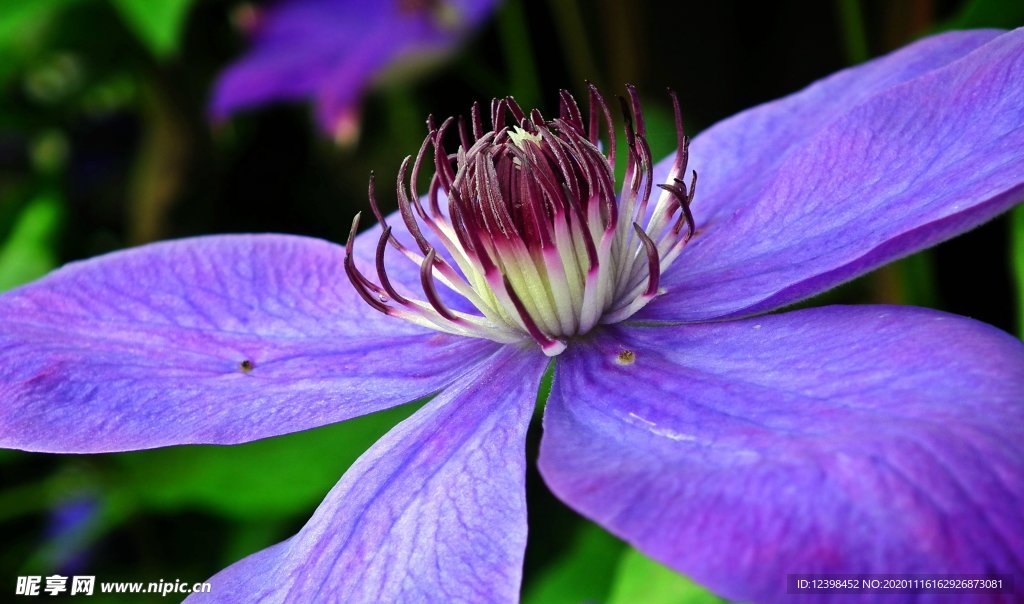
[626, 357]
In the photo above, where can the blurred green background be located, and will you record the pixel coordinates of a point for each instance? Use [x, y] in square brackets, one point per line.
[105, 143]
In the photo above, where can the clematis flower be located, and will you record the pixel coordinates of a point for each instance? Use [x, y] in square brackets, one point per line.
[332, 50]
[734, 446]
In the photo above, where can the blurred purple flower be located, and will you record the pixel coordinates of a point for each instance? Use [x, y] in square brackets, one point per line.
[70, 533]
[732, 445]
[332, 50]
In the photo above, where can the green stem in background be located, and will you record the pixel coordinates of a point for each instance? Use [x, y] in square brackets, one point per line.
[29, 250]
[625, 55]
[405, 120]
[519, 61]
[575, 46]
[1017, 261]
[907, 281]
[851, 21]
[918, 273]
[544, 391]
[161, 170]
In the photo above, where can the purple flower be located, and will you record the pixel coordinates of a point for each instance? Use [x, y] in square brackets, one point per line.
[332, 50]
[71, 531]
[732, 445]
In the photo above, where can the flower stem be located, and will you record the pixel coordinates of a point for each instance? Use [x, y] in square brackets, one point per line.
[575, 46]
[519, 60]
[1017, 261]
[851, 21]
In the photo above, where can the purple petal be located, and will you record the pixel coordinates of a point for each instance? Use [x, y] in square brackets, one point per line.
[334, 49]
[209, 340]
[872, 164]
[753, 143]
[839, 439]
[435, 511]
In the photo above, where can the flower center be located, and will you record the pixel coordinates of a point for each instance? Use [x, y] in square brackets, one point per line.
[537, 240]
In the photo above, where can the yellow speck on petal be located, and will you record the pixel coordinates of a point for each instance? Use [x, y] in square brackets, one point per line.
[626, 357]
[246, 366]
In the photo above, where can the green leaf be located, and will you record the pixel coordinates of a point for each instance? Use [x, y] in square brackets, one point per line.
[252, 536]
[278, 476]
[23, 27]
[28, 253]
[640, 579]
[24, 499]
[1006, 14]
[1017, 258]
[582, 574]
[157, 23]
[18, 16]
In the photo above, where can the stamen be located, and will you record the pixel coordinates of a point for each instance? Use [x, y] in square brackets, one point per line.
[441, 163]
[653, 270]
[544, 248]
[427, 280]
[478, 124]
[570, 111]
[365, 287]
[516, 111]
[550, 346]
[682, 144]
[463, 134]
[382, 273]
[678, 190]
